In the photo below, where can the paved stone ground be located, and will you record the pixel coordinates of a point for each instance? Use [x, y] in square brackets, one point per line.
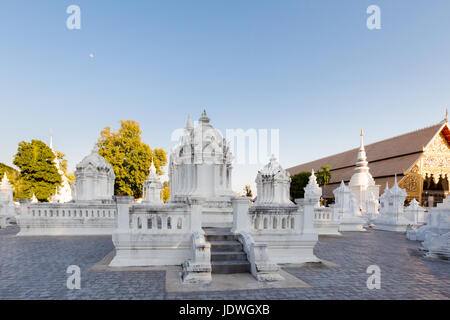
[35, 268]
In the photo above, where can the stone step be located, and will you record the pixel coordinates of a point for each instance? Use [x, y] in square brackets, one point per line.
[228, 256]
[229, 267]
[225, 246]
[220, 237]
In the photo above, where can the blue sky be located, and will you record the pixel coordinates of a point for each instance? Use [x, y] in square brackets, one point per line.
[311, 69]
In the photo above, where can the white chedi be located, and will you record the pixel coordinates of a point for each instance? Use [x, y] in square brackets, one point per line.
[6, 190]
[347, 209]
[313, 192]
[392, 215]
[200, 167]
[273, 184]
[362, 183]
[201, 164]
[152, 187]
[62, 193]
[94, 178]
[415, 213]
[7, 208]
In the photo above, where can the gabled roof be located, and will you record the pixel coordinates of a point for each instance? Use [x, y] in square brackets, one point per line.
[386, 158]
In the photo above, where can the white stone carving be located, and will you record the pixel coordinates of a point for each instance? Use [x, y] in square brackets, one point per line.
[198, 268]
[275, 222]
[347, 209]
[273, 184]
[392, 216]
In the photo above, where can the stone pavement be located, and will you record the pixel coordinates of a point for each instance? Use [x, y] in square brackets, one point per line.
[35, 268]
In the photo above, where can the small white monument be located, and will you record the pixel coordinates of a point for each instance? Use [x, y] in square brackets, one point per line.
[347, 209]
[276, 221]
[437, 222]
[326, 220]
[392, 215]
[152, 187]
[415, 213]
[64, 192]
[94, 178]
[7, 207]
[363, 185]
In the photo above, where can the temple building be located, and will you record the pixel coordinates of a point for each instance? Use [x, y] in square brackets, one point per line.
[420, 159]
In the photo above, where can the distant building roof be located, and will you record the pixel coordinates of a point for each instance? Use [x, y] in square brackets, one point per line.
[386, 158]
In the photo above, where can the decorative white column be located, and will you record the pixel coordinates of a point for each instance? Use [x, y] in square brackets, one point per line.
[123, 216]
[196, 214]
[241, 220]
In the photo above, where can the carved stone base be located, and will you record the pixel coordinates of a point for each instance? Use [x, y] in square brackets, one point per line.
[195, 273]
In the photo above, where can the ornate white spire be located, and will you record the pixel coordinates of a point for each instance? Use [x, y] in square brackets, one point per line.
[152, 170]
[6, 190]
[204, 118]
[312, 190]
[272, 183]
[361, 162]
[152, 187]
[189, 124]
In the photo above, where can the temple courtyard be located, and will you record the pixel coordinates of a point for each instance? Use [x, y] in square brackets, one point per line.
[35, 268]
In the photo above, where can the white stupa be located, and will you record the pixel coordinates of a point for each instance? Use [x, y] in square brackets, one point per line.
[362, 183]
[64, 192]
[313, 191]
[152, 187]
[392, 215]
[273, 184]
[94, 178]
[7, 208]
[200, 167]
[347, 209]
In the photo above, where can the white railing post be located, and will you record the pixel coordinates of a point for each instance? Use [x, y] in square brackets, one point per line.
[241, 220]
[123, 212]
[196, 214]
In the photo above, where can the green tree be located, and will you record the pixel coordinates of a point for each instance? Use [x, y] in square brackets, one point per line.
[166, 191]
[130, 157]
[298, 184]
[324, 175]
[38, 173]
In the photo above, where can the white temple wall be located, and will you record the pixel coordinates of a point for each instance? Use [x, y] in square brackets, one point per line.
[68, 219]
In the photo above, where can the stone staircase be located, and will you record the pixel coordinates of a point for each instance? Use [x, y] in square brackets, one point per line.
[227, 254]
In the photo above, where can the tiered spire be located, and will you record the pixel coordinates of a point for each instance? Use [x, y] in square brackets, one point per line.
[361, 162]
[204, 118]
[312, 190]
[189, 124]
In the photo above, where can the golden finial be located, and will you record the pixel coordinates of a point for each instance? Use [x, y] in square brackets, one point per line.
[446, 115]
[362, 132]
